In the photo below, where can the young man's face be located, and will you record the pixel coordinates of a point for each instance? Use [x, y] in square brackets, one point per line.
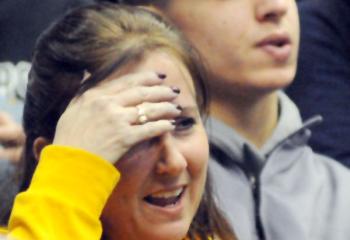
[250, 45]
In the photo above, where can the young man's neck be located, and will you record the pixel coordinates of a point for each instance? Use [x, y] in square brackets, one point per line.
[254, 119]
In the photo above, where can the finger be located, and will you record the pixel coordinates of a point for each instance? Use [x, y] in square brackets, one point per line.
[138, 95]
[10, 154]
[156, 111]
[150, 130]
[11, 134]
[138, 87]
[131, 115]
[147, 78]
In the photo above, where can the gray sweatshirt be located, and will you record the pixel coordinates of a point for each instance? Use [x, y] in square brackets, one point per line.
[283, 191]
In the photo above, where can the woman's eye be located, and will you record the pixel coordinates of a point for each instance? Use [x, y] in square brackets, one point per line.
[184, 123]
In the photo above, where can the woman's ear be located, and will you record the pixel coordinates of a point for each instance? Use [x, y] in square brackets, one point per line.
[38, 145]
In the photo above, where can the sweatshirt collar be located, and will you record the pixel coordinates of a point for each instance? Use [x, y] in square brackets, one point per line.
[226, 139]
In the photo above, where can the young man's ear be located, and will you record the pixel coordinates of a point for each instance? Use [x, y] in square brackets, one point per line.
[38, 145]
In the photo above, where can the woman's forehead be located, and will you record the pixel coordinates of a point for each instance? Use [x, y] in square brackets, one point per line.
[177, 74]
[164, 62]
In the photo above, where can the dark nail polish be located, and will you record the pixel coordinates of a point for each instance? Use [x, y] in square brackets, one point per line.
[178, 107]
[175, 90]
[162, 76]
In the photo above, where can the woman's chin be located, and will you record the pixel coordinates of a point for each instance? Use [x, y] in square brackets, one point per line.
[169, 232]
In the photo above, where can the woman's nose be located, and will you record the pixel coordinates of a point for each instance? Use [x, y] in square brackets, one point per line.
[271, 10]
[172, 161]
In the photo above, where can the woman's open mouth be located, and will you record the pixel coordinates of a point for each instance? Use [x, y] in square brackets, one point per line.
[165, 198]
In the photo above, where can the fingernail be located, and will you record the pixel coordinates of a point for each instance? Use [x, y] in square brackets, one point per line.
[161, 75]
[178, 107]
[175, 89]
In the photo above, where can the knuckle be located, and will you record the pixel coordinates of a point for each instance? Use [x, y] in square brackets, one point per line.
[143, 93]
[147, 75]
[147, 106]
[130, 82]
[152, 75]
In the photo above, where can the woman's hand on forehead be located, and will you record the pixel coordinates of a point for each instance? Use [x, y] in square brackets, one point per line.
[110, 118]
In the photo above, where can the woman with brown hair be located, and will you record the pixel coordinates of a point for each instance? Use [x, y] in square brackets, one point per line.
[115, 86]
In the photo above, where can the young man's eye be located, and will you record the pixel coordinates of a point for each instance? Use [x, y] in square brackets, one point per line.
[184, 123]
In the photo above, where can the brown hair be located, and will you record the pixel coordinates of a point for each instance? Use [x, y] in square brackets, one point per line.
[156, 3]
[135, 2]
[100, 39]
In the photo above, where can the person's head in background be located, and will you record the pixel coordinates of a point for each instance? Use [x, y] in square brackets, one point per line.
[250, 48]
[108, 41]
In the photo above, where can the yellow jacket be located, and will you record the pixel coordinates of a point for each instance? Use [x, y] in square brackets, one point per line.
[66, 197]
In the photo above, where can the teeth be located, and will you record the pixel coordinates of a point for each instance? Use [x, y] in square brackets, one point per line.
[167, 194]
[165, 198]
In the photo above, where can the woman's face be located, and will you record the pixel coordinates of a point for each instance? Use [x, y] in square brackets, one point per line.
[248, 44]
[162, 179]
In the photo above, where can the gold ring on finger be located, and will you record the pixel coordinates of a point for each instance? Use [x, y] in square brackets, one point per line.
[142, 118]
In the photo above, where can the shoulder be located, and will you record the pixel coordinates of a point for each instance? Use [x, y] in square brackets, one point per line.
[332, 166]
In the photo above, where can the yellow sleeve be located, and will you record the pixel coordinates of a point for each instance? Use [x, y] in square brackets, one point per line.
[66, 197]
[3, 232]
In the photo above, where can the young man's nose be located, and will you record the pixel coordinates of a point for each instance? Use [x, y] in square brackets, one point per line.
[172, 161]
[271, 10]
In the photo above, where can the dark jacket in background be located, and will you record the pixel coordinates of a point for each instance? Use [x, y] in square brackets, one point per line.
[322, 84]
[21, 22]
